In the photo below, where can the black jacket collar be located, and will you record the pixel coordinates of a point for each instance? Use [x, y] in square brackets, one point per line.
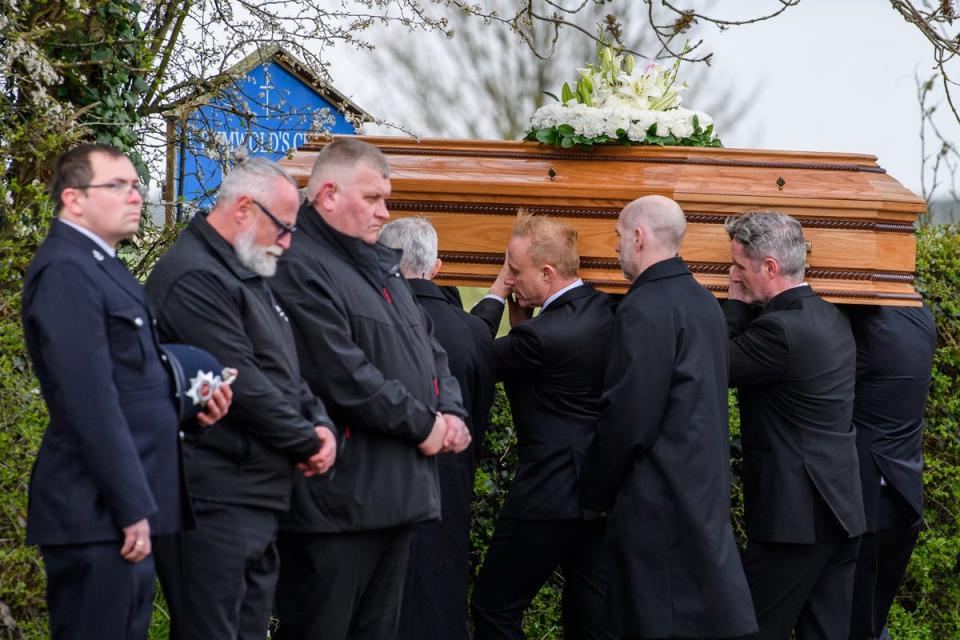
[669, 268]
[785, 299]
[573, 294]
[375, 260]
[423, 288]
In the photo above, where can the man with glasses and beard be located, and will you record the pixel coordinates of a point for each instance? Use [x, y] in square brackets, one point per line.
[210, 290]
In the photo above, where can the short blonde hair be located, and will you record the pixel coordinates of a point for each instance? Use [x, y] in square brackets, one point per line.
[551, 242]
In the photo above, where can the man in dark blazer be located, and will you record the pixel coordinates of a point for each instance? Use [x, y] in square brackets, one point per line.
[895, 347]
[107, 477]
[435, 597]
[793, 361]
[552, 368]
[660, 462]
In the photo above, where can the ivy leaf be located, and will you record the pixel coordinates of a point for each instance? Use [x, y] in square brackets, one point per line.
[566, 142]
[102, 54]
[565, 130]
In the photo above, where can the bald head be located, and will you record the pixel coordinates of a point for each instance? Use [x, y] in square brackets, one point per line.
[651, 229]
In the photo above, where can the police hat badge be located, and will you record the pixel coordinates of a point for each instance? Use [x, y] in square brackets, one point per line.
[196, 377]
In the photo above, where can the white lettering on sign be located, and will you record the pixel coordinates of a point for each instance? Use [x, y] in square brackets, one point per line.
[261, 141]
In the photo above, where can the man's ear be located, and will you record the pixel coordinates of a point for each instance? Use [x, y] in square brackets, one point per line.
[772, 267]
[70, 199]
[436, 269]
[242, 209]
[638, 238]
[326, 195]
[549, 272]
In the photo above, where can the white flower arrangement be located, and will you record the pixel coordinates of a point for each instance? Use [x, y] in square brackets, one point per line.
[616, 101]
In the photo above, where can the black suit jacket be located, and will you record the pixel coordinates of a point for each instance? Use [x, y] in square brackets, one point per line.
[469, 347]
[660, 463]
[794, 365]
[552, 368]
[895, 348]
[110, 455]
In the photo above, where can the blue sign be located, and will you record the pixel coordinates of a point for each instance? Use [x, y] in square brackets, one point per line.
[270, 111]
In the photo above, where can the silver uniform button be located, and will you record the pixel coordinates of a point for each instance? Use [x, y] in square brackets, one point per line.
[138, 322]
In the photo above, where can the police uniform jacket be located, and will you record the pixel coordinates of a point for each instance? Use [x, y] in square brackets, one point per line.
[109, 456]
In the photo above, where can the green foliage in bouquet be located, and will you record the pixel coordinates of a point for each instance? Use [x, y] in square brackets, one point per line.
[564, 136]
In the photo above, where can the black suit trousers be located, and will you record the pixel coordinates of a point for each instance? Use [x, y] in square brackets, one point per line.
[884, 555]
[435, 596]
[219, 578]
[804, 587]
[92, 592]
[520, 559]
[341, 586]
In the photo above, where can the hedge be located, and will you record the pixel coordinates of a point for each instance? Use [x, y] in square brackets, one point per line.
[926, 608]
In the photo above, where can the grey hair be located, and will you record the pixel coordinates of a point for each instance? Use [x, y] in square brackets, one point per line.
[417, 238]
[771, 234]
[344, 153]
[253, 176]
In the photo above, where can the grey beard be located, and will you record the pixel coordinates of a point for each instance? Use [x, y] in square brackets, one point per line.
[257, 259]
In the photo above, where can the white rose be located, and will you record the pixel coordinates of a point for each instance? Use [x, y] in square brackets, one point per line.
[664, 120]
[682, 125]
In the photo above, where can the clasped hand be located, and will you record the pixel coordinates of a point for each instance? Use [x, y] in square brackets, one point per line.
[448, 435]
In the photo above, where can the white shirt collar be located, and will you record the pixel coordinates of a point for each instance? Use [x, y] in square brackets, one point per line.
[90, 234]
[546, 303]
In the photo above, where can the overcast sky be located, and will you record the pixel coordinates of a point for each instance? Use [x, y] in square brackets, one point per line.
[837, 75]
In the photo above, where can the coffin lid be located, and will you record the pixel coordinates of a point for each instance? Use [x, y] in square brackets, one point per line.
[859, 222]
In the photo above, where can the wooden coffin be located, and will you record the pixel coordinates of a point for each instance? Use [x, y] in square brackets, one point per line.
[858, 221]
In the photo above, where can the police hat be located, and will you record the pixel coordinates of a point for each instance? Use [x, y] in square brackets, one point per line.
[196, 377]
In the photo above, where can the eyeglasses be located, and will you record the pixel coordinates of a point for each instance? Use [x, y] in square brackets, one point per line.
[282, 229]
[120, 188]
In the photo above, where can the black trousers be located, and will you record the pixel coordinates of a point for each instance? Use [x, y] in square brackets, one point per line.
[521, 557]
[92, 592]
[219, 578]
[435, 595]
[339, 586]
[883, 559]
[804, 587]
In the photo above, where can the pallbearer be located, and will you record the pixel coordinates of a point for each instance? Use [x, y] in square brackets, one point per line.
[659, 464]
